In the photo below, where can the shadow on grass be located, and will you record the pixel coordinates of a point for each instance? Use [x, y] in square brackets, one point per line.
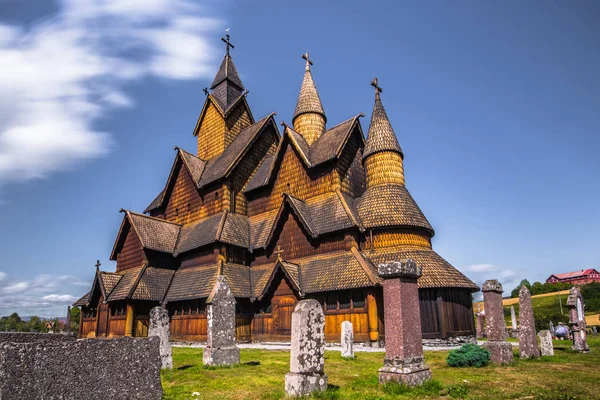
[184, 367]
[252, 363]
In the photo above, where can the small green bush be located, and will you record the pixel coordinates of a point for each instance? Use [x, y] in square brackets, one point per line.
[458, 391]
[469, 355]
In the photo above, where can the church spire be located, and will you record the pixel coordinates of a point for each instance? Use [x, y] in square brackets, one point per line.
[382, 156]
[227, 85]
[309, 118]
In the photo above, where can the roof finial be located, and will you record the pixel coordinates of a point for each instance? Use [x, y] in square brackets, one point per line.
[227, 42]
[205, 90]
[98, 265]
[375, 84]
[279, 253]
[308, 61]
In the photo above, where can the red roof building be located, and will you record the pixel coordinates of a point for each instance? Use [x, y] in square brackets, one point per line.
[576, 277]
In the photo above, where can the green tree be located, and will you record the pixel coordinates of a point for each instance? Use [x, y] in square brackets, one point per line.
[536, 288]
[591, 297]
[515, 292]
[75, 315]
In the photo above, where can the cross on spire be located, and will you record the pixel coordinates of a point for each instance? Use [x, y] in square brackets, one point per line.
[205, 90]
[98, 265]
[308, 60]
[279, 252]
[227, 43]
[375, 84]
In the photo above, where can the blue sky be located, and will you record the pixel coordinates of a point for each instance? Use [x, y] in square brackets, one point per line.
[495, 105]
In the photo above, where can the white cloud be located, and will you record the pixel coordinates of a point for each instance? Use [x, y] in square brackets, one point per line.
[44, 295]
[60, 298]
[63, 73]
[481, 267]
[2, 275]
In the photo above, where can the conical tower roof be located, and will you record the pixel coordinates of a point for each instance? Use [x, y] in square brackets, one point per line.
[381, 136]
[308, 100]
[227, 85]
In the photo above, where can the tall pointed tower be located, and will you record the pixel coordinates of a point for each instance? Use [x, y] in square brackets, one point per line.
[225, 112]
[309, 118]
[382, 156]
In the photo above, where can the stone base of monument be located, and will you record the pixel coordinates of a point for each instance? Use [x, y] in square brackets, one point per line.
[501, 352]
[514, 333]
[214, 356]
[411, 372]
[297, 384]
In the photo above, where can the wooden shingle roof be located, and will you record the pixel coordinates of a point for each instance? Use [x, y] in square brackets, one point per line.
[390, 205]
[153, 284]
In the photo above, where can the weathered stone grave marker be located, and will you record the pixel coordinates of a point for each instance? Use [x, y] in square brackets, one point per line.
[403, 339]
[577, 320]
[220, 342]
[546, 343]
[347, 340]
[480, 326]
[307, 353]
[159, 327]
[528, 347]
[513, 319]
[500, 350]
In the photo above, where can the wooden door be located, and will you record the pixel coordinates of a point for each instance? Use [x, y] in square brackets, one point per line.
[102, 321]
[141, 326]
[285, 308]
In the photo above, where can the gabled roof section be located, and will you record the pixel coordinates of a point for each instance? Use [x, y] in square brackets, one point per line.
[200, 233]
[262, 277]
[153, 284]
[329, 146]
[153, 233]
[390, 205]
[575, 274]
[83, 300]
[381, 136]
[223, 164]
[223, 110]
[127, 284]
[318, 215]
[194, 166]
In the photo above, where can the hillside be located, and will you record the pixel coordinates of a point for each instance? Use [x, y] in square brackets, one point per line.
[546, 307]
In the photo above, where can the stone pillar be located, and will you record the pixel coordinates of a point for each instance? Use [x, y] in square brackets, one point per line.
[347, 340]
[68, 324]
[220, 344]
[528, 347]
[500, 350]
[373, 318]
[513, 319]
[546, 343]
[577, 320]
[307, 353]
[129, 320]
[480, 326]
[403, 339]
[159, 326]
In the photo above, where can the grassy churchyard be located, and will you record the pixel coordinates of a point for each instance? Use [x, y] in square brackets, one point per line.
[567, 375]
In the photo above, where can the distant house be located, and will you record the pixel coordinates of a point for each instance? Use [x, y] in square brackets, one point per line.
[576, 277]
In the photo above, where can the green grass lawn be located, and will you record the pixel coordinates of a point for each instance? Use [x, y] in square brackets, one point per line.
[567, 375]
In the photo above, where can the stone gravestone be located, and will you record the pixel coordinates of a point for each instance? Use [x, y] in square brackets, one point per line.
[577, 320]
[480, 326]
[528, 347]
[220, 344]
[307, 353]
[403, 339]
[551, 326]
[159, 327]
[500, 350]
[546, 343]
[513, 319]
[347, 340]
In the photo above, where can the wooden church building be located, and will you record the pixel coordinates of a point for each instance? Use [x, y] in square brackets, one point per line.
[307, 210]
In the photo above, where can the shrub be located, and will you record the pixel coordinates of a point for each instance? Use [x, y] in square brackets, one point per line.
[469, 355]
[458, 391]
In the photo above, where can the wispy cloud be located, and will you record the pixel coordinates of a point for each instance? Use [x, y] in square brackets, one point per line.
[482, 272]
[64, 72]
[44, 295]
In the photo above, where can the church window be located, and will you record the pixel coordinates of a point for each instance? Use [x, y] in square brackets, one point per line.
[216, 195]
[189, 206]
[177, 211]
[89, 312]
[331, 302]
[117, 309]
[358, 299]
[345, 300]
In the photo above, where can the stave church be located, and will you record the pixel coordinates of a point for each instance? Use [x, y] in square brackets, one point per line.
[284, 213]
